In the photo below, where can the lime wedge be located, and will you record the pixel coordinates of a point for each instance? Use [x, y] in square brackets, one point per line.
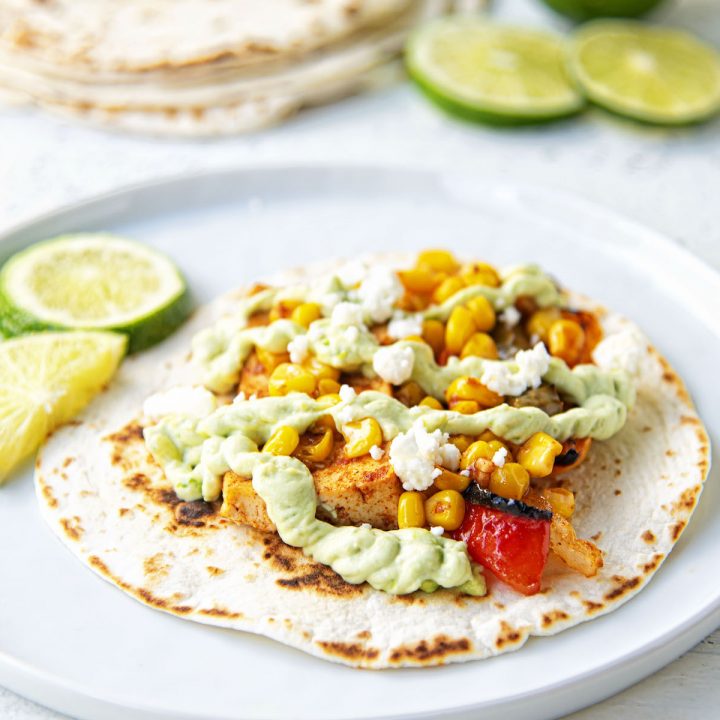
[648, 73]
[45, 380]
[586, 9]
[492, 73]
[93, 282]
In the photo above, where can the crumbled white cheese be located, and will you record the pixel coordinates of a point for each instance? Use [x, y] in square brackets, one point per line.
[510, 317]
[196, 402]
[347, 313]
[622, 351]
[437, 531]
[347, 393]
[376, 452]
[299, 348]
[240, 397]
[415, 454]
[402, 326]
[531, 366]
[394, 364]
[498, 459]
[366, 526]
[465, 473]
[352, 333]
[352, 272]
[379, 292]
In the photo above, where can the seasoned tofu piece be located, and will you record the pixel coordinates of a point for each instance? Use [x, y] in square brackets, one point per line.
[254, 377]
[351, 491]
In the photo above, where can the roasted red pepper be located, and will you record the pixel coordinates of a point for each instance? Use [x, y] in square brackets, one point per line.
[515, 548]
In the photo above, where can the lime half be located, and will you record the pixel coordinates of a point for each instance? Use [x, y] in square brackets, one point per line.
[45, 380]
[648, 73]
[492, 73]
[586, 9]
[93, 282]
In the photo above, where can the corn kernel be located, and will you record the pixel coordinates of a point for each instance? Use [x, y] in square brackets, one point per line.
[496, 445]
[464, 407]
[478, 449]
[510, 481]
[327, 401]
[452, 481]
[561, 500]
[306, 313]
[461, 442]
[446, 289]
[433, 332]
[410, 302]
[283, 441]
[319, 451]
[419, 280]
[325, 422]
[470, 388]
[480, 274]
[328, 386]
[288, 378]
[321, 370]
[537, 454]
[431, 402]
[459, 329]
[360, 436]
[483, 313]
[446, 509]
[271, 360]
[438, 260]
[480, 345]
[283, 309]
[540, 322]
[411, 510]
[487, 436]
[566, 340]
[410, 394]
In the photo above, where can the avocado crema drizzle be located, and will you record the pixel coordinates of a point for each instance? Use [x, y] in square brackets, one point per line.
[195, 454]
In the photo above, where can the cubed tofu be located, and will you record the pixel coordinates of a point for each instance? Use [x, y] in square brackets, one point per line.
[254, 377]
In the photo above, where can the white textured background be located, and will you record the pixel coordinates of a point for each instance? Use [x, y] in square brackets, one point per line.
[667, 179]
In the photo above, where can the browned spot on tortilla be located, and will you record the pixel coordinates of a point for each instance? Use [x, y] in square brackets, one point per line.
[686, 501]
[132, 432]
[508, 635]
[215, 570]
[155, 566]
[68, 461]
[409, 599]
[350, 651]
[670, 377]
[280, 555]
[72, 527]
[47, 493]
[322, 579]
[596, 536]
[592, 607]
[433, 652]
[676, 530]
[220, 613]
[648, 536]
[689, 420]
[651, 565]
[499, 606]
[623, 585]
[122, 512]
[364, 635]
[552, 617]
[617, 492]
[617, 473]
[670, 452]
[192, 513]
[647, 429]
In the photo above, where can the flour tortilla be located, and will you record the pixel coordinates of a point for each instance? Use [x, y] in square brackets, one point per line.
[101, 493]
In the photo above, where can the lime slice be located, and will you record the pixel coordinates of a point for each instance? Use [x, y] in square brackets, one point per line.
[45, 380]
[93, 282]
[648, 73]
[492, 73]
[587, 9]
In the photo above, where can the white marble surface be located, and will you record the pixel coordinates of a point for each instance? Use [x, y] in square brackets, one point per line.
[665, 179]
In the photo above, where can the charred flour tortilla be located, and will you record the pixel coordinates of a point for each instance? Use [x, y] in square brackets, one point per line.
[108, 501]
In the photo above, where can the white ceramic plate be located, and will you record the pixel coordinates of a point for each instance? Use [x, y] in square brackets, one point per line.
[77, 644]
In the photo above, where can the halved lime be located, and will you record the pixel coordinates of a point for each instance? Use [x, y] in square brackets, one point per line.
[45, 380]
[93, 282]
[492, 73]
[649, 73]
[587, 9]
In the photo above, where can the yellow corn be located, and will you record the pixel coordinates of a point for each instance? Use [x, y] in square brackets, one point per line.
[470, 388]
[478, 449]
[496, 445]
[271, 360]
[360, 436]
[537, 454]
[410, 302]
[325, 422]
[561, 500]
[433, 332]
[447, 288]
[431, 402]
[306, 313]
[566, 339]
[420, 280]
[283, 441]
[321, 370]
[328, 386]
[438, 260]
[446, 509]
[483, 313]
[327, 401]
[411, 510]
[465, 407]
[540, 322]
[319, 451]
[410, 394]
[487, 436]
[510, 481]
[451, 481]
[461, 442]
[288, 378]
[480, 274]
[283, 309]
[459, 329]
[480, 345]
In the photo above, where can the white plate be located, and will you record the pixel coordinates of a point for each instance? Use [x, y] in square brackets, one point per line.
[77, 644]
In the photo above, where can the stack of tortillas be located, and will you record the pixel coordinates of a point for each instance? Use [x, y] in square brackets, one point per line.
[199, 67]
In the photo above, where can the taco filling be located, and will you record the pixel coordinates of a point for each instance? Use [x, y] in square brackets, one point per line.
[409, 429]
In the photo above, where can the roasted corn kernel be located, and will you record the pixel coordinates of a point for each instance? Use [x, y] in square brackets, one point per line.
[283, 441]
[410, 302]
[483, 313]
[321, 370]
[480, 345]
[470, 388]
[480, 274]
[465, 407]
[459, 329]
[433, 332]
[452, 481]
[271, 360]
[328, 386]
[326, 422]
[431, 402]
[438, 260]
[478, 449]
[447, 288]
[561, 500]
[446, 509]
[411, 510]
[318, 451]
[410, 394]
[420, 280]
[537, 454]
[360, 436]
[461, 442]
[327, 401]
[496, 445]
[306, 313]
[540, 322]
[289, 377]
[510, 481]
[283, 309]
[566, 340]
